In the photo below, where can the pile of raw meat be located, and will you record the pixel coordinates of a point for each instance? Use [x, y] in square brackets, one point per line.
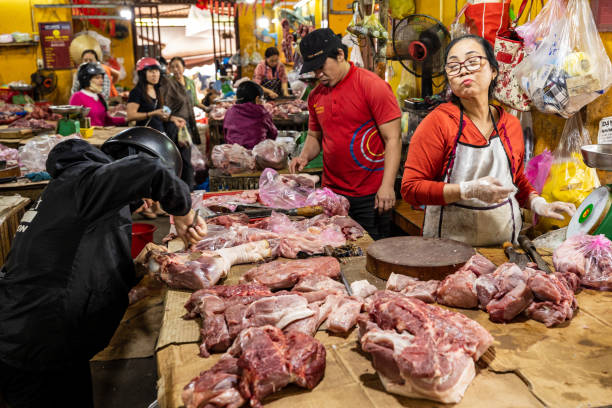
[294, 191]
[504, 292]
[278, 110]
[234, 158]
[31, 123]
[419, 350]
[219, 109]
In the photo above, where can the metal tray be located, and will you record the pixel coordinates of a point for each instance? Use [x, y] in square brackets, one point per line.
[62, 109]
[21, 87]
[598, 156]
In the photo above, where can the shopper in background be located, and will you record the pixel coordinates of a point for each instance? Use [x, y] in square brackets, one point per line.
[177, 69]
[248, 122]
[110, 75]
[145, 103]
[91, 78]
[271, 75]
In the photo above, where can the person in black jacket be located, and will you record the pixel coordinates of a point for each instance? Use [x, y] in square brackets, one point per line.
[64, 287]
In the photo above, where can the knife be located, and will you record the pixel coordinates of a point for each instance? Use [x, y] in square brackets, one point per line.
[531, 250]
[520, 259]
[346, 284]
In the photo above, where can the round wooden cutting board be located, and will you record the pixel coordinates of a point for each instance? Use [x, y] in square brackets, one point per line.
[422, 258]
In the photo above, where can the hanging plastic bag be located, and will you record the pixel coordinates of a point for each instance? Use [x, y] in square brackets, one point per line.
[569, 180]
[457, 28]
[533, 32]
[375, 29]
[401, 8]
[538, 168]
[570, 68]
[255, 58]
[355, 26]
[528, 138]
[184, 137]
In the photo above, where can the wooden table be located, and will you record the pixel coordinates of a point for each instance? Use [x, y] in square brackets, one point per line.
[24, 187]
[528, 365]
[407, 218]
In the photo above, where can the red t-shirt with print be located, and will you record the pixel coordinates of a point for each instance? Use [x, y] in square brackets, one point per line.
[348, 116]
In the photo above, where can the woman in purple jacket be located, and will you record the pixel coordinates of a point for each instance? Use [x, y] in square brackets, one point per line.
[91, 77]
[248, 122]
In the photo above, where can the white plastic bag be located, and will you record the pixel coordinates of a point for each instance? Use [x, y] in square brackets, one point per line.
[33, 155]
[570, 68]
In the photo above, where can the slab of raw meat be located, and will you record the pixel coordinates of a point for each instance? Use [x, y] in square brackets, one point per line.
[410, 286]
[512, 296]
[197, 270]
[245, 197]
[479, 265]
[344, 316]
[220, 237]
[589, 257]
[279, 311]
[270, 154]
[285, 190]
[362, 289]
[457, 290]
[269, 360]
[332, 203]
[283, 274]
[308, 325]
[216, 387]
[555, 301]
[318, 287]
[229, 220]
[419, 350]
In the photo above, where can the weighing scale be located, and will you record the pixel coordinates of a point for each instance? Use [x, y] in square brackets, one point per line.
[23, 95]
[594, 217]
[74, 118]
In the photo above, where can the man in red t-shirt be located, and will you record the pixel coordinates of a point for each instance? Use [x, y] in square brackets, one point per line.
[355, 118]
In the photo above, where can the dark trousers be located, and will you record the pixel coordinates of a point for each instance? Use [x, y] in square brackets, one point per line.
[69, 387]
[362, 210]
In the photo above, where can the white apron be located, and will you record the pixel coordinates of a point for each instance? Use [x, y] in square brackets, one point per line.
[472, 221]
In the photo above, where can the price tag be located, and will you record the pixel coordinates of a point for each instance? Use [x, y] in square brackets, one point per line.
[605, 131]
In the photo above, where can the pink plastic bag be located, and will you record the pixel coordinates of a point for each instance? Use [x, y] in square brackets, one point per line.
[198, 160]
[284, 191]
[332, 203]
[232, 158]
[538, 168]
[270, 154]
[589, 257]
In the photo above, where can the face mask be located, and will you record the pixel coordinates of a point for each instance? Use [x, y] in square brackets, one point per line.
[95, 88]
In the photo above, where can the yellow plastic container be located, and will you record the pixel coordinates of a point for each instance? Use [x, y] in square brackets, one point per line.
[87, 132]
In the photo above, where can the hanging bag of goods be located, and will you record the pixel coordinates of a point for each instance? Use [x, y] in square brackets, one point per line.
[509, 52]
[487, 18]
[570, 68]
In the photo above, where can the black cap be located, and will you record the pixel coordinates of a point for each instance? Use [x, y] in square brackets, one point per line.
[88, 71]
[316, 46]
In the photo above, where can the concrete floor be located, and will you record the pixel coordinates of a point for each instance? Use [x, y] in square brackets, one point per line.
[128, 383]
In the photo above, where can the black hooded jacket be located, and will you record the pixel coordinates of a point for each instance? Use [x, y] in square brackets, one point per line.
[64, 286]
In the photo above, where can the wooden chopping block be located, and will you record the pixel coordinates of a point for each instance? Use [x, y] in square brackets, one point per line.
[422, 258]
[11, 171]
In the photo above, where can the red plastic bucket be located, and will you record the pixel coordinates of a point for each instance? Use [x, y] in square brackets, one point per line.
[142, 234]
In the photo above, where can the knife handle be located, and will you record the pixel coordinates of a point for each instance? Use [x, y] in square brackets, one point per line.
[310, 211]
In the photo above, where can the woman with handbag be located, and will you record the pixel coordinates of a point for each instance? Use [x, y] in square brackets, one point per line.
[466, 158]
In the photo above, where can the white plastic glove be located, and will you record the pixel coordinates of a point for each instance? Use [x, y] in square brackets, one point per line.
[555, 210]
[487, 189]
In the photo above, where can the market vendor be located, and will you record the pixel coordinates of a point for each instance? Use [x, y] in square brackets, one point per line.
[64, 286]
[466, 158]
[91, 78]
[247, 122]
[271, 75]
[355, 118]
[110, 75]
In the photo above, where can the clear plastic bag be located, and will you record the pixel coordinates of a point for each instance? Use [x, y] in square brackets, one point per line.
[270, 154]
[538, 168]
[569, 180]
[284, 191]
[11, 156]
[589, 257]
[401, 8]
[33, 155]
[232, 158]
[198, 160]
[332, 203]
[533, 32]
[570, 68]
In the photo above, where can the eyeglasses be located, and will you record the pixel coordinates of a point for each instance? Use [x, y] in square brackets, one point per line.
[471, 64]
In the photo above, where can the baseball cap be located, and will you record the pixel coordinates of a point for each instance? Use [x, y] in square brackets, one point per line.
[315, 47]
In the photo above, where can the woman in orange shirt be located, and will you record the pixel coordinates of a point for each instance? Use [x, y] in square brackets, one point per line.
[465, 161]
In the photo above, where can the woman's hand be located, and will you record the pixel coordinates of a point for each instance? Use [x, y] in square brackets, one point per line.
[185, 230]
[160, 114]
[554, 210]
[179, 122]
[486, 189]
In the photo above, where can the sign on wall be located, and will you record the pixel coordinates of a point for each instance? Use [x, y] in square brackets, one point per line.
[602, 12]
[55, 40]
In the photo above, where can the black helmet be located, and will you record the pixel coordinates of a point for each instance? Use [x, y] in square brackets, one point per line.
[88, 71]
[144, 139]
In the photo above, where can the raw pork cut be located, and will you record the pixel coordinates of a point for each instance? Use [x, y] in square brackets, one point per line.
[419, 350]
[283, 274]
[317, 287]
[260, 362]
[409, 286]
[589, 257]
[216, 387]
[555, 301]
[202, 269]
[285, 190]
[479, 265]
[504, 293]
[362, 289]
[334, 204]
[270, 154]
[344, 316]
[221, 201]
[232, 158]
[220, 237]
[269, 360]
[457, 290]
[229, 220]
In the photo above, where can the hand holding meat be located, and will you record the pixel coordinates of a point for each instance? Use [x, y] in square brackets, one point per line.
[297, 164]
[385, 199]
[186, 230]
[487, 189]
[555, 210]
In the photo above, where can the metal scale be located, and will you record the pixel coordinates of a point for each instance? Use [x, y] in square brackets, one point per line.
[74, 118]
[594, 217]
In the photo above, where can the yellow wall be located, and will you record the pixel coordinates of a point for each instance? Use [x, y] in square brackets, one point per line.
[19, 62]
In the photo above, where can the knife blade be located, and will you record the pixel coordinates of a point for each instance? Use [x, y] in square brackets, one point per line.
[531, 250]
[346, 284]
